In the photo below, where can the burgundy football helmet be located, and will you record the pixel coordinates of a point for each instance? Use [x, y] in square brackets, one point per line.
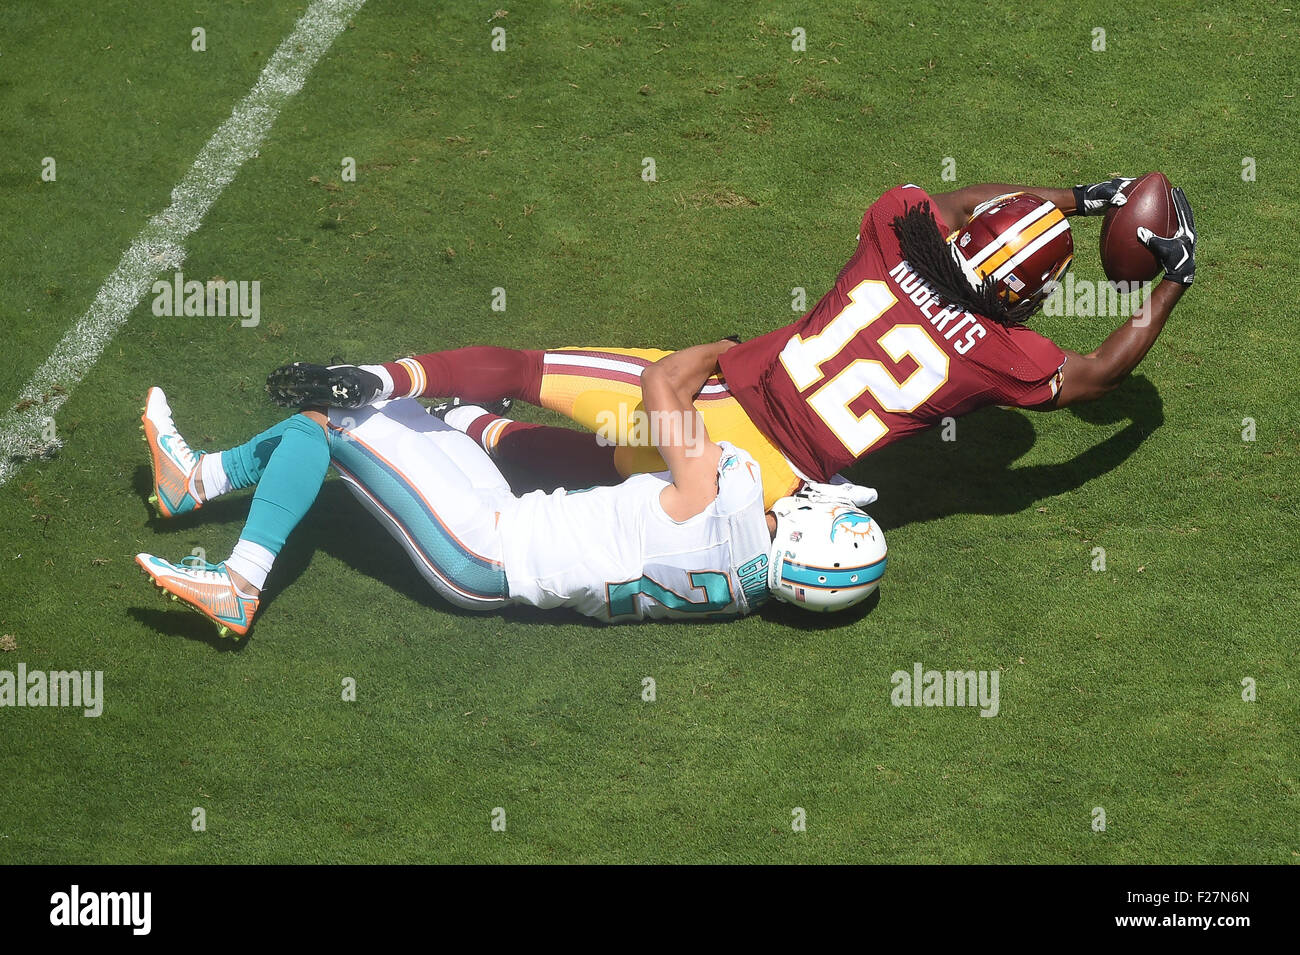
[1019, 241]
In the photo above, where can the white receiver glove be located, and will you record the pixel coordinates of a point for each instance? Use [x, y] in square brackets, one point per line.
[841, 490]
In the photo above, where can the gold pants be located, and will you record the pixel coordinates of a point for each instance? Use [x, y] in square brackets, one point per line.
[600, 389]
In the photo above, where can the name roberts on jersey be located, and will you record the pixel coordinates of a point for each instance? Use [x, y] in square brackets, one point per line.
[927, 301]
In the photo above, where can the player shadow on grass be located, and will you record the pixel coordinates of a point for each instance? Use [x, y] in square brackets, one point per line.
[183, 623]
[925, 478]
[154, 609]
[336, 525]
[919, 479]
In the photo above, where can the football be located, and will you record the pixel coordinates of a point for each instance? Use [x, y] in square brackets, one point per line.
[1150, 204]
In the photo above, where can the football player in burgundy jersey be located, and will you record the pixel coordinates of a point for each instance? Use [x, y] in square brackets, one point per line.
[925, 321]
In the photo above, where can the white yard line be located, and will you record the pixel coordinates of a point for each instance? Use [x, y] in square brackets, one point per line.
[160, 245]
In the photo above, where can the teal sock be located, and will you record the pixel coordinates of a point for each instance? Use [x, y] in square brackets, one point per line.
[288, 465]
[244, 465]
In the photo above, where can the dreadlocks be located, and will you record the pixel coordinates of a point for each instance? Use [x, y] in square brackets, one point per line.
[929, 254]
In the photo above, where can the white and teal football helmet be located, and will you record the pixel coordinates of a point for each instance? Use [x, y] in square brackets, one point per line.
[828, 554]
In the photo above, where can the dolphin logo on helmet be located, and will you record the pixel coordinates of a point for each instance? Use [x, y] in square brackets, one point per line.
[827, 555]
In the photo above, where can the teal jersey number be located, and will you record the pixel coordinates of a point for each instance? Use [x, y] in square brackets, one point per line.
[716, 587]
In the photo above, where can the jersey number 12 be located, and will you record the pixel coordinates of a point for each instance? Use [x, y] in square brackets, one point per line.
[803, 358]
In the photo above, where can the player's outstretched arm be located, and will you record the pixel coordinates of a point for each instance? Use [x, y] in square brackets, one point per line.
[668, 389]
[1086, 377]
[1086, 200]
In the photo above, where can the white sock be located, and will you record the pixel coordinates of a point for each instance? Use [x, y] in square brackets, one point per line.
[462, 416]
[215, 481]
[386, 389]
[252, 562]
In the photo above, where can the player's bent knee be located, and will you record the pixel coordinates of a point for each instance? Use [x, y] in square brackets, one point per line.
[310, 429]
[316, 415]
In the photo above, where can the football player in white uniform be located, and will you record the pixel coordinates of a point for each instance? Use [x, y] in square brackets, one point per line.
[692, 542]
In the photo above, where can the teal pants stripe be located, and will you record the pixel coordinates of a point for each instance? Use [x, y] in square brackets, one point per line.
[469, 577]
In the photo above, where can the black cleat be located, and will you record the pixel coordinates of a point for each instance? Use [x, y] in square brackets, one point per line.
[498, 407]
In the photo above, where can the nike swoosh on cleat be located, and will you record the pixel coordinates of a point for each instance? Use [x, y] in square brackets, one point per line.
[164, 442]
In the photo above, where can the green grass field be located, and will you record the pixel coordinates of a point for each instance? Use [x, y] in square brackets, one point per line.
[1120, 689]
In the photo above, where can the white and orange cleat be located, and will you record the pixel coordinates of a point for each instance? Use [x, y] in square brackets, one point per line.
[174, 465]
[204, 587]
